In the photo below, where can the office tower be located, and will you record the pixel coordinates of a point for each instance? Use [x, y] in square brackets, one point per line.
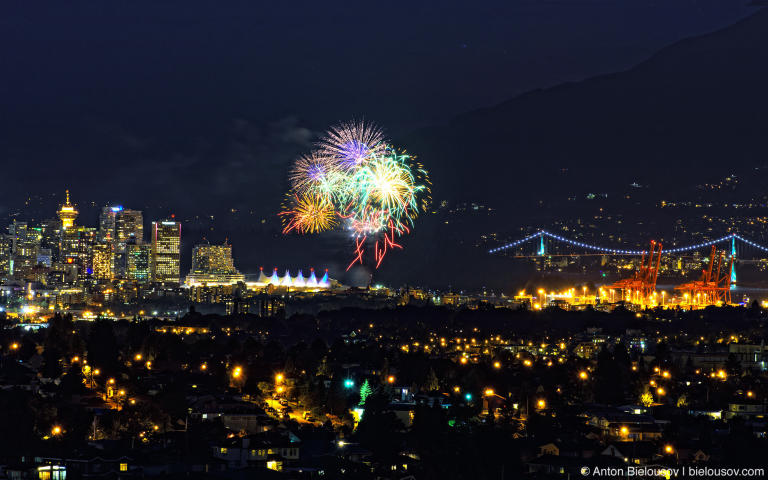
[166, 243]
[6, 255]
[24, 244]
[129, 224]
[213, 265]
[137, 262]
[67, 213]
[87, 239]
[69, 245]
[108, 222]
[49, 231]
[103, 260]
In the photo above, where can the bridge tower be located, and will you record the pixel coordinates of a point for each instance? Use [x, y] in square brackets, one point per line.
[542, 252]
[733, 264]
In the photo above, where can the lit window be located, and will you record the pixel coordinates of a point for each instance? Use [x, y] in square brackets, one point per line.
[223, 451]
[123, 467]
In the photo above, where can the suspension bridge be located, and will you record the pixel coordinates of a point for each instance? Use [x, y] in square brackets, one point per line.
[542, 237]
[715, 283]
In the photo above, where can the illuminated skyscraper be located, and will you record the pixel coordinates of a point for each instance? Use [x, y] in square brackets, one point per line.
[166, 244]
[24, 246]
[103, 261]
[137, 262]
[107, 223]
[128, 224]
[213, 265]
[67, 213]
[6, 255]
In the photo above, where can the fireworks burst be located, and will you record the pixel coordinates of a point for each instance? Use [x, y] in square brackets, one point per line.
[350, 144]
[357, 177]
[309, 214]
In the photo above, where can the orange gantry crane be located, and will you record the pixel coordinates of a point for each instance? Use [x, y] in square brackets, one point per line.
[714, 286]
[642, 285]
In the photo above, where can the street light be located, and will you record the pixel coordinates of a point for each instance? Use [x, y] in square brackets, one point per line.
[583, 375]
[349, 383]
[541, 403]
[279, 378]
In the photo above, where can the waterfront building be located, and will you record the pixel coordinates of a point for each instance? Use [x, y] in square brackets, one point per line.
[213, 265]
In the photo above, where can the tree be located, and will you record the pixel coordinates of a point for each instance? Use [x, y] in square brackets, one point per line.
[431, 383]
[365, 392]
[646, 398]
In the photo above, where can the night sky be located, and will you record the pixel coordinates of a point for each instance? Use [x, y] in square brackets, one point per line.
[198, 106]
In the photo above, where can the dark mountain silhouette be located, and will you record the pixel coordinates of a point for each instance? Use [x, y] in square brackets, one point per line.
[696, 109]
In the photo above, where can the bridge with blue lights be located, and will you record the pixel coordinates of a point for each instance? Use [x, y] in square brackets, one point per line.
[543, 243]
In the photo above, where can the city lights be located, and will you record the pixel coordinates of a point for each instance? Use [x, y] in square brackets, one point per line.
[564, 275]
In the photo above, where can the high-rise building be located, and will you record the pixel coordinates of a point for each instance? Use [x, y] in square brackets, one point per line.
[103, 261]
[166, 245]
[129, 224]
[213, 265]
[6, 255]
[137, 262]
[67, 213]
[25, 242]
[108, 222]
[49, 230]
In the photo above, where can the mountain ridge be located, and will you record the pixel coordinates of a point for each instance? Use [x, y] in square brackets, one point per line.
[694, 102]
